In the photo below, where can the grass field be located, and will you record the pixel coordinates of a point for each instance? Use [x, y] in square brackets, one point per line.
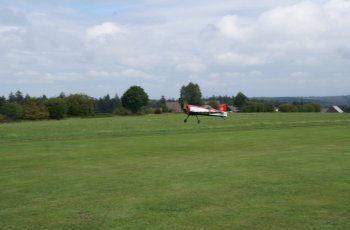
[252, 171]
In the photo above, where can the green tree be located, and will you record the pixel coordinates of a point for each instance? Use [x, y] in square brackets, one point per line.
[317, 107]
[107, 104]
[62, 95]
[162, 102]
[214, 104]
[288, 108]
[257, 107]
[57, 108]
[12, 110]
[240, 100]
[161, 105]
[190, 94]
[345, 108]
[309, 108]
[12, 97]
[17, 97]
[104, 105]
[80, 105]
[134, 98]
[116, 101]
[2, 102]
[221, 99]
[35, 111]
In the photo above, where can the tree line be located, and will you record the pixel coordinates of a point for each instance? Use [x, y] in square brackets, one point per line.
[20, 107]
[134, 101]
[191, 94]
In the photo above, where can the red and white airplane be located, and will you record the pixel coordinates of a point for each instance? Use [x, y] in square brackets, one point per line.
[195, 110]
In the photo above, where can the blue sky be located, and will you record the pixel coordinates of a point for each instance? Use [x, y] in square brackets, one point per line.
[262, 48]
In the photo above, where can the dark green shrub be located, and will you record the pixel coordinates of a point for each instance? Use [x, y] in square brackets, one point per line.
[214, 104]
[35, 111]
[287, 108]
[80, 105]
[57, 108]
[121, 111]
[2, 118]
[12, 110]
[255, 107]
[158, 111]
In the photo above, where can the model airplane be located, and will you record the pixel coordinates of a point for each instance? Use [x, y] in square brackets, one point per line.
[194, 110]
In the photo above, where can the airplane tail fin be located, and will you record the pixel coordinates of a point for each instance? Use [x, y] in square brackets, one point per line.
[223, 107]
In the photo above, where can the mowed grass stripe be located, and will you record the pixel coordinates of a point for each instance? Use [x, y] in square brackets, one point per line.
[160, 125]
[290, 178]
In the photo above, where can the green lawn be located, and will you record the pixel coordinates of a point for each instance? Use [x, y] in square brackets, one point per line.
[252, 171]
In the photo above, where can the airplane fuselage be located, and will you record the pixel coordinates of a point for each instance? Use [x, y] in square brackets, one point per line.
[194, 110]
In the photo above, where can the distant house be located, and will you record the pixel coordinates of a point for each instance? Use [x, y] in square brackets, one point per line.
[174, 106]
[334, 109]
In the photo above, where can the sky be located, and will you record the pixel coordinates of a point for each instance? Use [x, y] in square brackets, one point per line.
[98, 47]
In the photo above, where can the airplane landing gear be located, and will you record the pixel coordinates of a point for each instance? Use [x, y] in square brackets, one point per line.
[186, 119]
[198, 121]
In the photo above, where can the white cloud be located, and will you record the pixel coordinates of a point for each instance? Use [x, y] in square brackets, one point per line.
[47, 78]
[9, 29]
[298, 74]
[143, 61]
[243, 44]
[98, 74]
[10, 37]
[228, 26]
[224, 76]
[133, 73]
[237, 59]
[106, 29]
[191, 67]
[255, 72]
[304, 20]
[12, 17]
[338, 10]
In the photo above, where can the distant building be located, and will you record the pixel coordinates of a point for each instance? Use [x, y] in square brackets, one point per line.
[334, 109]
[174, 106]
